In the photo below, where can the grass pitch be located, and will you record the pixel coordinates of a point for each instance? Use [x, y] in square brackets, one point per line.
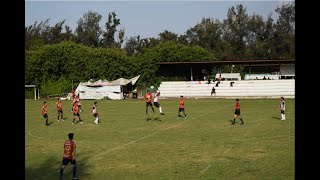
[126, 146]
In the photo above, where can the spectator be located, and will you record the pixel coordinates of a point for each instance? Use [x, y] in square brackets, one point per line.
[135, 93]
[220, 78]
[231, 84]
[213, 91]
[208, 78]
[264, 77]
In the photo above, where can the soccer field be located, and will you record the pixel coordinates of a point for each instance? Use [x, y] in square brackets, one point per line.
[125, 146]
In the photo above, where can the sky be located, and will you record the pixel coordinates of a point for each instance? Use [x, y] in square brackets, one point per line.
[144, 18]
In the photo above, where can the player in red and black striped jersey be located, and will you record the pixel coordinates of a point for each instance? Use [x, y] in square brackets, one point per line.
[76, 113]
[181, 107]
[237, 112]
[148, 98]
[59, 109]
[69, 155]
[44, 113]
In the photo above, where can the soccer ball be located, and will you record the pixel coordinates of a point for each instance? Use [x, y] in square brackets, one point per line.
[151, 87]
[196, 98]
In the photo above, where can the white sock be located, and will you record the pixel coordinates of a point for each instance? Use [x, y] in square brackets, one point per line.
[284, 116]
[281, 116]
[160, 109]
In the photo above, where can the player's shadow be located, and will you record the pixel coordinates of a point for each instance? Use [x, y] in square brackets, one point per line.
[276, 117]
[231, 121]
[153, 119]
[49, 169]
[50, 123]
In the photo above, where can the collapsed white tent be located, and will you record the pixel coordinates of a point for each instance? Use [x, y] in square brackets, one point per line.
[104, 89]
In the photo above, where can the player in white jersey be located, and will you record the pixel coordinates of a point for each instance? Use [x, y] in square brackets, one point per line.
[156, 103]
[94, 113]
[282, 108]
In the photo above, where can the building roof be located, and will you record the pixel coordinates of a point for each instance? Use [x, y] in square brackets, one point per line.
[242, 62]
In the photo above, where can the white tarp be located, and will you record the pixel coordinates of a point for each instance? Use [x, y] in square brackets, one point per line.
[134, 80]
[103, 89]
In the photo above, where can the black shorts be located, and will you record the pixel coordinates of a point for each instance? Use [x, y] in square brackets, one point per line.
[60, 111]
[76, 114]
[45, 116]
[181, 109]
[148, 104]
[237, 112]
[95, 114]
[66, 161]
[282, 111]
[156, 104]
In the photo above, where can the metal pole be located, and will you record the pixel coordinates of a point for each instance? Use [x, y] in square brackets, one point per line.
[191, 74]
[35, 93]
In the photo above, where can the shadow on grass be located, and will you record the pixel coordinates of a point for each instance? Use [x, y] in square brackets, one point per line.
[50, 169]
[153, 119]
[49, 123]
[275, 118]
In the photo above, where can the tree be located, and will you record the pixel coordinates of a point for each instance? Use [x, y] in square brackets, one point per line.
[284, 36]
[235, 33]
[88, 30]
[133, 46]
[206, 34]
[168, 36]
[36, 34]
[259, 33]
[111, 25]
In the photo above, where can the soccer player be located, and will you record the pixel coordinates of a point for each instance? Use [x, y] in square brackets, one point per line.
[181, 107]
[69, 155]
[79, 103]
[156, 103]
[74, 100]
[282, 108]
[148, 97]
[76, 113]
[59, 109]
[237, 112]
[44, 113]
[94, 112]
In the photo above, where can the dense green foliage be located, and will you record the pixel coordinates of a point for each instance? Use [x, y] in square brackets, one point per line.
[56, 54]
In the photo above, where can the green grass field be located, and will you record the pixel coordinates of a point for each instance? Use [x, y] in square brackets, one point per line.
[125, 146]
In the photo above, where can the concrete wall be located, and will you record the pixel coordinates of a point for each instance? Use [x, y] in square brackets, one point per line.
[244, 88]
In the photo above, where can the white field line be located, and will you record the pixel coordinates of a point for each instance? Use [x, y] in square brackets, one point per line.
[116, 148]
[134, 141]
[227, 150]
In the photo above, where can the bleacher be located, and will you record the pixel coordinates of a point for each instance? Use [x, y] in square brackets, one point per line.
[244, 88]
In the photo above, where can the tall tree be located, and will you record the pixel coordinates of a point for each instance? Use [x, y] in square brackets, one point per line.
[235, 32]
[133, 45]
[168, 36]
[36, 34]
[284, 36]
[257, 39]
[109, 39]
[207, 34]
[88, 31]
